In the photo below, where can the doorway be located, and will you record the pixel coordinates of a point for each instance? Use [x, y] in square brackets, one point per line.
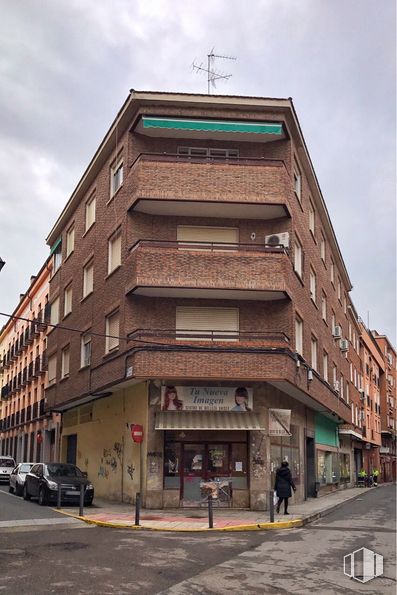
[311, 491]
[202, 462]
[71, 449]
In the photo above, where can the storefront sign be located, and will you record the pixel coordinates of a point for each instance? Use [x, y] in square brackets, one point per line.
[206, 398]
[279, 422]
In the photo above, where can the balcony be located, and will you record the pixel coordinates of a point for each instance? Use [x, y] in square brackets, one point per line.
[241, 356]
[203, 270]
[241, 188]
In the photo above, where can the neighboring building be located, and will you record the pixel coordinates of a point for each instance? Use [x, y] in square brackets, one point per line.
[197, 264]
[27, 432]
[388, 395]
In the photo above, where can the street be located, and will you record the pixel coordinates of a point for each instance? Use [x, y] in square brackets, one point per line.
[39, 560]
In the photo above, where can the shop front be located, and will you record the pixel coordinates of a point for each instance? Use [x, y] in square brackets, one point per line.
[226, 441]
[334, 456]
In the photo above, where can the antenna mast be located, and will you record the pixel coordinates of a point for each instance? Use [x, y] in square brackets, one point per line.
[212, 74]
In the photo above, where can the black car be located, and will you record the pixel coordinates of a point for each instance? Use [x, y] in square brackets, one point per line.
[44, 479]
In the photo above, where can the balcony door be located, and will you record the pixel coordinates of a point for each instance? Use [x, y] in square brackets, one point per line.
[200, 237]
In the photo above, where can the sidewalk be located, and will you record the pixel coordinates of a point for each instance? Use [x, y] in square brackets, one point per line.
[109, 514]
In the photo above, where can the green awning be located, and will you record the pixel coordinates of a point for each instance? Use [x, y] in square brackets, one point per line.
[55, 246]
[213, 125]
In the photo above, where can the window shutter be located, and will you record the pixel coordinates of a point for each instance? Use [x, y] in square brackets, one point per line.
[224, 235]
[114, 251]
[112, 328]
[55, 312]
[88, 279]
[208, 323]
[52, 369]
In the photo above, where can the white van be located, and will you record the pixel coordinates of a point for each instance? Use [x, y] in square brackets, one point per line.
[7, 464]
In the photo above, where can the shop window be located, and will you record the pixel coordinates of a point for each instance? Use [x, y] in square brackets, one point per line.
[239, 466]
[328, 471]
[286, 448]
[172, 461]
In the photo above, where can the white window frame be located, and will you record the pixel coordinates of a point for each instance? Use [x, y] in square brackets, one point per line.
[323, 248]
[314, 353]
[298, 334]
[332, 272]
[116, 175]
[298, 258]
[90, 212]
[57, 257]
[112, 343]
[70, 241]
[54, 317]
[52, 370]
[297, 181]
[324, 306]
[65, 362]
[114, 264]
[88, 288]
[312, 217]
[313, 284]
[67, 300]
[85, 357]
[325, 366]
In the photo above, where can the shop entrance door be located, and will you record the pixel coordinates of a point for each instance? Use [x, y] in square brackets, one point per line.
[193, 473]
[203, 462]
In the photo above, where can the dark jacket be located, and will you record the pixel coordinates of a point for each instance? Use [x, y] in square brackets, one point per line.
[284, 482]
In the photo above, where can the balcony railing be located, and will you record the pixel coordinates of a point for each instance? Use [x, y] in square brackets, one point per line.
[180, 337]
[203, 269]
[181, 178]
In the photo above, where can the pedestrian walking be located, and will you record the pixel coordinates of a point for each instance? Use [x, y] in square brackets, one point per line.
[283, 485]
[375, 475]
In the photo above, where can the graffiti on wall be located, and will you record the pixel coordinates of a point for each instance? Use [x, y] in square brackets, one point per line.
[110, 460]
[130, 471]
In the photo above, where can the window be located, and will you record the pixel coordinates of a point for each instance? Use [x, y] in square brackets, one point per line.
[333, 321]
[207, 324]
[114, 251]
[344, 304]
[67, 302]
[325, 366]
[347, 392]
[323, 248]
[88, 278]
[57, 257]
[298, 258]
[52, 369]
[334, 374]
[116, 176]
[65, 362]
[85, 350]
[342, 382]
[90, 208]
[324, 306]
[350, 331]
[207, 237]
[332, 272]
[312, 217]
[299, 335]
[54, 319]
[208, 152]
[69, 241]
[313, 285]
[339, 289]
[112, 331]
[297, 182]
[314, 346]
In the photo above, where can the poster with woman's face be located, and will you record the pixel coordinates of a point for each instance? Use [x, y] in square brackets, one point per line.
[206, 398]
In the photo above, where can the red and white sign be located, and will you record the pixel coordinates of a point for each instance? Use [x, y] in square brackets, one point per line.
[137, 433]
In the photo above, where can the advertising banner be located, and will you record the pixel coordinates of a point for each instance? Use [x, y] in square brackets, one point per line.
[206, 398]
[279, 422]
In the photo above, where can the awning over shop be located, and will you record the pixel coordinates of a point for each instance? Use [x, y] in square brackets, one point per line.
[207, 420]
[222, 129]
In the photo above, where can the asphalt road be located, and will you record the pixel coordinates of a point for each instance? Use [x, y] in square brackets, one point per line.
[105, 561]
[15, 508]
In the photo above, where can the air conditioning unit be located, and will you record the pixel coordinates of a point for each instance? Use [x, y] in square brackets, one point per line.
[278, 239]
[336, 386]
[337, 332]
[344, 345]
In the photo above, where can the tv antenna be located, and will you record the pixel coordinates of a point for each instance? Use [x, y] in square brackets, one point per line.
[212, 74]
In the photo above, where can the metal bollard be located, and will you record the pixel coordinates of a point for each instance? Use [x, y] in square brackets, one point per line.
[210, 513]
[137, 508]
[271, 506]
[82, 492]
[59, 494]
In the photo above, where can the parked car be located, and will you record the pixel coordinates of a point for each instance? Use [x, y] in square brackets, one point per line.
[17, 477]
[7, 464]
[44, 479]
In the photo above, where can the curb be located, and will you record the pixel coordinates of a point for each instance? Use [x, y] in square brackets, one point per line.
[232, 528]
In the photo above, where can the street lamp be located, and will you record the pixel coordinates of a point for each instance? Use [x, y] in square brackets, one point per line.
[2, 263]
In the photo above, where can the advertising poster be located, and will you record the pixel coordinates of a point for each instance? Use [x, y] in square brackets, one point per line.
[279, 422]
[206, 398]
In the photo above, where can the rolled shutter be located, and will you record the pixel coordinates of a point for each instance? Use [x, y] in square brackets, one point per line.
[207, 323]
[210, 235]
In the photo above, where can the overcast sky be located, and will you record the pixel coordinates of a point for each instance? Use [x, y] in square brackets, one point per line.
[66, 66]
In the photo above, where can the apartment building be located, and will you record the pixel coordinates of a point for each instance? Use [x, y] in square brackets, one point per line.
[27, 432]
[388, 396]
[202, 295]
